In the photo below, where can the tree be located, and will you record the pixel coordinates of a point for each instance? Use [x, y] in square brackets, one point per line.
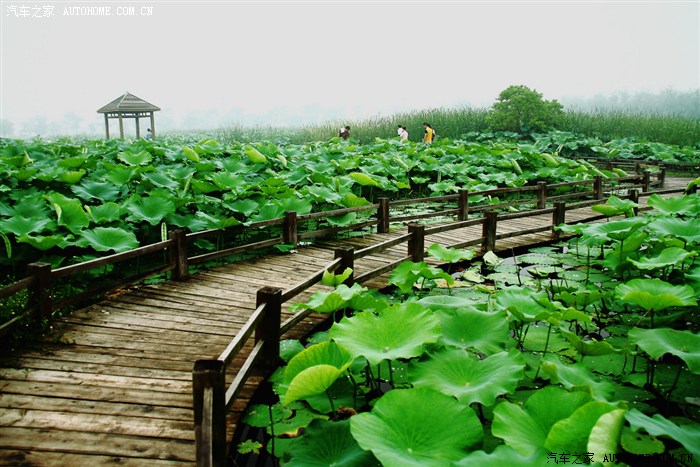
[521, 109]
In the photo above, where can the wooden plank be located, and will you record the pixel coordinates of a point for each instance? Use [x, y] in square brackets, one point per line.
[62, 459]
[105, 444]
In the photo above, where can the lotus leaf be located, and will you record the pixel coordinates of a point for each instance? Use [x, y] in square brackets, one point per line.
[104, 213]
[457, 373]
[588, 347]
[70, 212]
[615, 207]
[140, 158]
[162, 180]
[572, 433]
[688, 435]
[658, 342]
[526, 428]
[449, 255]
[677, 205]
[403, 430]
[313, 370]
[687, 230]
[524, 303]
[639, 443]
[655, 294]
[605, 435]
[151, 209]
[110, 238]
[576, 377]
[326, 443]
[328, 302]
[20, 226]
[668, 257]
[470, 328]
[405, 275]
[399, 331]
[103, 191]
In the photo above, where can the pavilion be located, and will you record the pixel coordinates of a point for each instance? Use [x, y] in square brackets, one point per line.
[129, 106]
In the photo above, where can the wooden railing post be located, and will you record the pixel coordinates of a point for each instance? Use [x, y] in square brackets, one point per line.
[347, 260]
[558, 217]
[268, 327]
[541, 195]
[488, 231]
[383, 215]
[634, 197]
[463, 205]
[209, 403]
[645, 181]
[416, 244]
[178, 254]
[40, 293]
[290, 228]
[598, 187]
[661, 176]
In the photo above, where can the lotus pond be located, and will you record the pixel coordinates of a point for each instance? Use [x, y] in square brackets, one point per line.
[581, 352]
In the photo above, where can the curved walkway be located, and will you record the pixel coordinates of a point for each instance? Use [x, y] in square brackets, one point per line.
[114, 384]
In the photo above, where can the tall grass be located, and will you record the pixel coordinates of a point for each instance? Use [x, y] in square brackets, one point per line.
[613, 124]
[456, 122]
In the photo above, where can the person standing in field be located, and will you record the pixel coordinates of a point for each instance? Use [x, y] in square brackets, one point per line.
[344, 132]
[429, 134]
[149, 135]
[399, 130]
[403, 133]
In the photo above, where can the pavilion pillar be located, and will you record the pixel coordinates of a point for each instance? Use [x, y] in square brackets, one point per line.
[153, 125]
[106, 126]
[138, 129]
[121, 126]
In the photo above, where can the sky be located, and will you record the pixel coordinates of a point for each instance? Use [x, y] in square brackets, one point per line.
[217, 63]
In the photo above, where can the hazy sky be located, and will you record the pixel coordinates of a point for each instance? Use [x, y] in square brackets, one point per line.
[351, 58]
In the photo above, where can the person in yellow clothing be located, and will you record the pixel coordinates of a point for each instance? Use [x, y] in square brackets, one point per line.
[429, 133]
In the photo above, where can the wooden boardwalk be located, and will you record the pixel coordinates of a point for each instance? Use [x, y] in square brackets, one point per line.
[114, 384]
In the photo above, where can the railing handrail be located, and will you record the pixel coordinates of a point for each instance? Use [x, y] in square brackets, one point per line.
[179, 259]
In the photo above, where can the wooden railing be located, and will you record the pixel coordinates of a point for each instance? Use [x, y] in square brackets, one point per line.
[178, 255]
[212, 398]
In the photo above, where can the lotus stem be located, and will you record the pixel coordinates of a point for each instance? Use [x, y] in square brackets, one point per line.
[330, 400]
[272, 428]
[544, 353]
[675, 381]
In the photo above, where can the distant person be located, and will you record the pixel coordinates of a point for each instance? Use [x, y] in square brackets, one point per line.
[344, 132]
[403, 134]
[149, 135]
[399, 130]
[429, 133]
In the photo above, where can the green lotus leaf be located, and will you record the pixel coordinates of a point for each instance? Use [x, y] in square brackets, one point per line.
[588, 347]
[289, 348]
[258, 415]
[525, 304]
[658, 342]
[576, 377]
[405, 275]
[110, 238]
[344, 220]
[368, 300]
[688, 435]
[615, 230]
[121, 175]
[254, 155]
[328, 443]
[103, 191]
[678, 205]
[533, 258]
[460, 374]
[244, 206]
[605, 435]
[70, 212]
[162, 180]
[139, 158]
[321, 193]
[504, 456]
[189, 221]
[190, 154]
[328, 302]
[639, 443]
[216, 221]
[399, 331]
[333, 280]
[572, 433]
[203, 186]
[313, 370]
[151, 209]
[71, 176]
[403, 430]
[668, 257]
[294, 203]
[364, 179]
[228, 181]
[351, 200]
[449, 255]
[42, 242]
[655, 294]
[615, 207]
[267, 212]
[469, 328]
[687, 230]
[525, 428]
[20, 226]
[104, 213]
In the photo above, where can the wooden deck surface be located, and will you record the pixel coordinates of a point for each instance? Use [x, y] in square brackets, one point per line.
[114, 384]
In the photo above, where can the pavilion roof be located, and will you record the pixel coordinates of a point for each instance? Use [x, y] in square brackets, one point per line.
[128, 103]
